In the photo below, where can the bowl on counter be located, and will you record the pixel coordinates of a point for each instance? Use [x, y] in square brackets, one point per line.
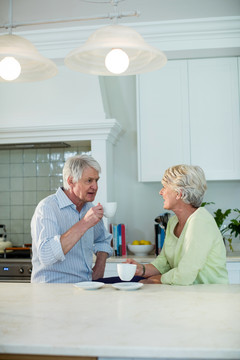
[140, 250]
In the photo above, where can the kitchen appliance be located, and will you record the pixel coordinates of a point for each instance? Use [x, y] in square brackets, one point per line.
[4, 243]
[15, 264]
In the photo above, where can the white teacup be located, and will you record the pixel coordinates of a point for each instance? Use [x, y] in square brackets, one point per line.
[109, 209]
[126, 271]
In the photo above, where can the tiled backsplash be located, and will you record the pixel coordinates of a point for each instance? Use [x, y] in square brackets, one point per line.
[26, 177]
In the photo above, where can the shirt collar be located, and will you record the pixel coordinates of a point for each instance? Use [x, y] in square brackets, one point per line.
[64, 201]
[62, 198]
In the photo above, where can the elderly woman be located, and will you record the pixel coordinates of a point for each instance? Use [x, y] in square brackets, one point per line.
[193, 251]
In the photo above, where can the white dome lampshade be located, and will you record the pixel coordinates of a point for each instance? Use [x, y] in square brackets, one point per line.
[33, 66]
[90, 58]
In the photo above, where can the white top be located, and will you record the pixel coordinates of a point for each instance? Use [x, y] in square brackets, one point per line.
[156, 321]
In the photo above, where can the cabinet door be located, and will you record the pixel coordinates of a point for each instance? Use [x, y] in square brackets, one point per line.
[214, 117]
[233, 269]
[110, 269]
[163, 122]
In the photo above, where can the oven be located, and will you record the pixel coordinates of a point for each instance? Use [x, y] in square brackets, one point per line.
[16, 265]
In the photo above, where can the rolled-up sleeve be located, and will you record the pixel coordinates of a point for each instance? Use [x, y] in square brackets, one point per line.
[102, 239]
[47, 232]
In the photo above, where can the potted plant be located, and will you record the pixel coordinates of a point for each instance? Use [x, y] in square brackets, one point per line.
[233, 227]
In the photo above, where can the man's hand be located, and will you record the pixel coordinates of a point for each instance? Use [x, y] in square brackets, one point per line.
[94, 215]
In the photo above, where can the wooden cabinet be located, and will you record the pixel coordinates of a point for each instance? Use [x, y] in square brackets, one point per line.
[188, 112]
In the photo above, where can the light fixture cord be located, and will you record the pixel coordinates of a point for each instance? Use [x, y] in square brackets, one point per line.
[10, 14]
[115, 6]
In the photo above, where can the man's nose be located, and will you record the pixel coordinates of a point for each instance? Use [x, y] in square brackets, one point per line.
[95, 185]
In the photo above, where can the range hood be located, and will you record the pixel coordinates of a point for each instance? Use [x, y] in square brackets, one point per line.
[44, 145]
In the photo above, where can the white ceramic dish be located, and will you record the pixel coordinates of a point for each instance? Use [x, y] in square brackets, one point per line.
[127, 285]
[140, 250]
[89, 285]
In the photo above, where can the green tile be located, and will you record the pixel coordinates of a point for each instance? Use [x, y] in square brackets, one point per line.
[29, 170]
[29, 198]
[16, 212]
[4, 157]
[16, 170]
[16, 198]
[16, 184]
[30, 156]
[43, 169]
[16, 156]
[30, 184]
[4, 213]
[5, 198]
[4, 170]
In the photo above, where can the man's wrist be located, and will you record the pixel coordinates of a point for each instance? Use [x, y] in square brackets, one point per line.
[144, 270]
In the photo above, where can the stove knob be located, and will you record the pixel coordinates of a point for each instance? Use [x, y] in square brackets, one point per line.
[29, 270]
[21, 270]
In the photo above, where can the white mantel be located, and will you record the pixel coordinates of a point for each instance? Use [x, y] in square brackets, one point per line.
[102, 136]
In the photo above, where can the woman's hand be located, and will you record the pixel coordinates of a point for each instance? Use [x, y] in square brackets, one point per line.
[139, 269]
[156, 279]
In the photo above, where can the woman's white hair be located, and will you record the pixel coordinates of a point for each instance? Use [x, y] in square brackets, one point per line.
[75, 165]
[188, 181]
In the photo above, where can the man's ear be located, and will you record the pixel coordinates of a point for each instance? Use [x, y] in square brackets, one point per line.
[70, 180]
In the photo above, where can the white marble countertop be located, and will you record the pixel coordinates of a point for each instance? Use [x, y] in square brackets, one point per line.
[156, 321]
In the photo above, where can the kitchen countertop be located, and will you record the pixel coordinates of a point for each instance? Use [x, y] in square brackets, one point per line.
[231, 257]
[156, 321]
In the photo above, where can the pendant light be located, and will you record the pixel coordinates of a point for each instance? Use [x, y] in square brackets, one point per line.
[20, 61]
[92, 57]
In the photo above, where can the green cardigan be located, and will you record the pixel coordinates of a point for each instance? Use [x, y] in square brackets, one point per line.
[198, 256]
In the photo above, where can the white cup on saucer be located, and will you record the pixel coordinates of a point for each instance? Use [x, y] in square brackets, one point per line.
[109, 209]
[126, 271]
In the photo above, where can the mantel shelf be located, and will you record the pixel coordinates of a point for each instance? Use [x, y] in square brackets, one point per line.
[108, 130]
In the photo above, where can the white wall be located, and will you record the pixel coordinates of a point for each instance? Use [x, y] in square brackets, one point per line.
[67, 98]
[140, 203]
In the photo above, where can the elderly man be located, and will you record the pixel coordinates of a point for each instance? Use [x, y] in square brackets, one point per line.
[67, 229]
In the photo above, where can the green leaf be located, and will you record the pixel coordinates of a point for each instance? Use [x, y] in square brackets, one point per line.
[207, 203]
[221, 216]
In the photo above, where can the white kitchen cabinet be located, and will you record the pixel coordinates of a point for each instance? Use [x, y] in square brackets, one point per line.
[163, 123]
[110, 269]
[233, 269]
[214, 117]
[188, 112]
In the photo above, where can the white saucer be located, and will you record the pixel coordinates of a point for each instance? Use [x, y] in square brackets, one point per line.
[89, 285]
[127, 285]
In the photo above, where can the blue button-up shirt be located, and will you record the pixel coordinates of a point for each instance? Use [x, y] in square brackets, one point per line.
[53, 216]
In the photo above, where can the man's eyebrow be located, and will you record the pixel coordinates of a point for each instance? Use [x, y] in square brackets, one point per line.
[93, 178]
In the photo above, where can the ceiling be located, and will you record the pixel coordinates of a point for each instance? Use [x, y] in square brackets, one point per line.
[150, 11]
